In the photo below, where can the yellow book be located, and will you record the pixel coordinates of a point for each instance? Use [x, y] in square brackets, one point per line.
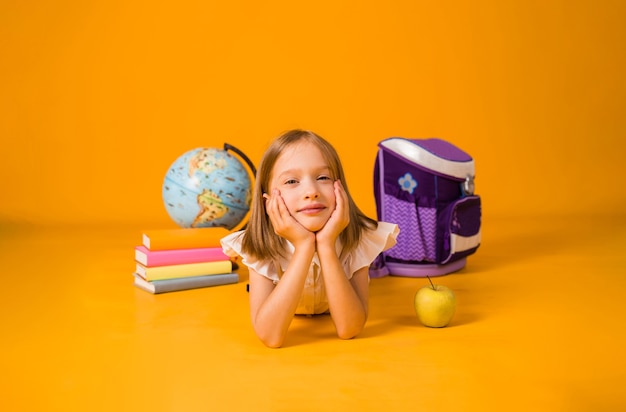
[184, 270]
[167, 239]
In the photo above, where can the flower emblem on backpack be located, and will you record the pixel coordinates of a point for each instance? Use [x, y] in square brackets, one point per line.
[407, 183]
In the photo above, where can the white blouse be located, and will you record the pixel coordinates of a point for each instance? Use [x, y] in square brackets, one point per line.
[313, 299]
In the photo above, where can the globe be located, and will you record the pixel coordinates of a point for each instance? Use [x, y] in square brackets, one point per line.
[207, 187]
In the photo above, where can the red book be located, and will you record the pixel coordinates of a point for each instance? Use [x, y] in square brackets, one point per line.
[153, 258]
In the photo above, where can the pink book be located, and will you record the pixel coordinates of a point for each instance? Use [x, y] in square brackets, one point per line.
[153, 258]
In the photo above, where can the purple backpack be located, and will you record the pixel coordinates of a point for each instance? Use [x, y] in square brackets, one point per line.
[426, 186]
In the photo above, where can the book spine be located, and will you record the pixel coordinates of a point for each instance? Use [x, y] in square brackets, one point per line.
[184, 238]
[153, 258]
[194, 282]
[184, 270]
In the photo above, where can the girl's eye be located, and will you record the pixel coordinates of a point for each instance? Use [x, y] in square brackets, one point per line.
[291, 182]
[324, 178]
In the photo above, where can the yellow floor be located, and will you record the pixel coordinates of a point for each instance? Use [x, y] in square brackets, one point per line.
[540, 325]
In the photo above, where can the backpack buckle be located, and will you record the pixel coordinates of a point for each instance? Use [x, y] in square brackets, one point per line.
[467, 187]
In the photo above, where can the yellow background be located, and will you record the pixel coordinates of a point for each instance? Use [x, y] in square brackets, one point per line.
[98, 98]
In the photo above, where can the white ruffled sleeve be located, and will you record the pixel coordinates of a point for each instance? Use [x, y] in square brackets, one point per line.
[373, 242]
[231, 245]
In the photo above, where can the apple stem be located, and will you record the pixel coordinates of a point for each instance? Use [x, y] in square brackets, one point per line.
[431, 282]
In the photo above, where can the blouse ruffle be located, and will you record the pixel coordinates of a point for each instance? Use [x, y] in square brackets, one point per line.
[373, 242]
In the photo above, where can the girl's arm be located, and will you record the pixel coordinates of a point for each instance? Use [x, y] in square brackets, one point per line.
[272, 307]
[347, 298]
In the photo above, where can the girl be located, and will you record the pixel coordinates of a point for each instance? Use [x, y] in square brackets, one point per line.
[307, 245]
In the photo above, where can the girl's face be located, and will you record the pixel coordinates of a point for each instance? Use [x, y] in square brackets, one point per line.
[304, 180]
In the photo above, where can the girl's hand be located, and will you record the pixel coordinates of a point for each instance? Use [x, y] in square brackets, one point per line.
[285, 225]
[338, 220]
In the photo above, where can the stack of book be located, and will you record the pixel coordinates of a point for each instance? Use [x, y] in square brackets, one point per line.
[170, 260]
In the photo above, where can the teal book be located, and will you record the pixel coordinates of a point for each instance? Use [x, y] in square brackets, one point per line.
[186, 283]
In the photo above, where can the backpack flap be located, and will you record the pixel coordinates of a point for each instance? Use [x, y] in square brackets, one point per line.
[434, 156]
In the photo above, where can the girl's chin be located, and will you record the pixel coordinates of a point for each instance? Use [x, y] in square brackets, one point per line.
[313, 226]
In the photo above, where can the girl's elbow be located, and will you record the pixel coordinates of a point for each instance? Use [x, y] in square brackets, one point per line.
[349, 332]
[271, 340]
[351, 328]
[346, 336]
[271, 336]
[273, 344]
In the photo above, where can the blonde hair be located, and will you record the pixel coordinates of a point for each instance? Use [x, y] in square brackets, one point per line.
[259, 238]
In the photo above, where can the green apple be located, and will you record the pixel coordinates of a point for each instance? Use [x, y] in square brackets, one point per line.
[435, 305]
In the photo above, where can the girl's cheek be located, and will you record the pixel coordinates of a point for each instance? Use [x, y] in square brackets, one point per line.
[287, 199]
[333, 198]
